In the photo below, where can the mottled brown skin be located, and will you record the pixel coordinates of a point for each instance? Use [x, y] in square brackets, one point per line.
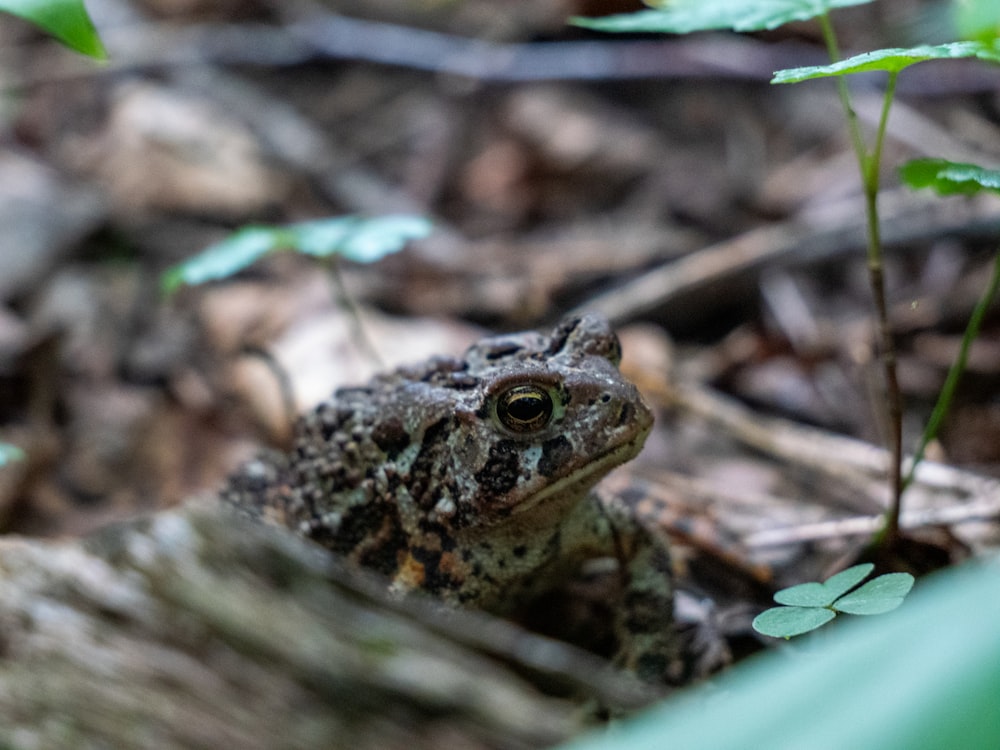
[470, 479]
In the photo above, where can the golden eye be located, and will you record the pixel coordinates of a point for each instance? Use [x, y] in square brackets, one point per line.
[524, 408]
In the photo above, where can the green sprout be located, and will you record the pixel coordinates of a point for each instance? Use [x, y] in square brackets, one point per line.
[358, 239]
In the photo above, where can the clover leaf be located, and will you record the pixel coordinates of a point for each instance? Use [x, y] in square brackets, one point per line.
[807, 606]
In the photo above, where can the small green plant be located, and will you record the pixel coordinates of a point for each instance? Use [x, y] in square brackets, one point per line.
[809, 605]
[66, 20]
[362, 240]
[358, 239]
[977, 20]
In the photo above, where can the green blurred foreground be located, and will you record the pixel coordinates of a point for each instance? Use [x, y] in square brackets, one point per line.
[923, 677]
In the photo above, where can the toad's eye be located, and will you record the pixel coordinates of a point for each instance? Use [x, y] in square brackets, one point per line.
[524, 408]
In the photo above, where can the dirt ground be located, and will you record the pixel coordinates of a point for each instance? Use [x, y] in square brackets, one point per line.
[715, 218]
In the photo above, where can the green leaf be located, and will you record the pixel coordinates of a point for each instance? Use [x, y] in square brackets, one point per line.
[949, 177]
[10, 453]
[363, 241]
[977, 19]
[685, 16]
[890, 60]
[824, 594]
[66, 20]
[224, 259]
[926, 676]
[784, 622]
[324, 236]
[806, 595]
[882, 594]
[358, 239]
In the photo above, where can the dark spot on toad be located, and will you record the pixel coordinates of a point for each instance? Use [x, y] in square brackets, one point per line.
[437, 530]
[391, 437]
[462, 382]
[501, 471]
[555, 453]
[430, 462]
[371, 520]
[503, 349]
[435, 579]
[384, 556]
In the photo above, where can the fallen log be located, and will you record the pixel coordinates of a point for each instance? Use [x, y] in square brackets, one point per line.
[193, 628]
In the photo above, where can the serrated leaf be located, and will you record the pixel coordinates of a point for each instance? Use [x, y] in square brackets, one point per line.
[824, 594]
[890, 60]
[949, 177]
[784, 622]
[879, 595]
[66, 20]
[685, 16]
[10, 453]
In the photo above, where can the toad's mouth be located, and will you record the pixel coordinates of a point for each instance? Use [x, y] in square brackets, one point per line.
[576, 483]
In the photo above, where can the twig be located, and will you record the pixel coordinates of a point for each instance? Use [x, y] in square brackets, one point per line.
[984, 509]
[843, 458]
[798, 241]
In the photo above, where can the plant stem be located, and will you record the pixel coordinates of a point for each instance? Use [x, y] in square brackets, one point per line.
[957, 368]
[869, 165]
[871, 179]
[353, 311]
[886, 345]
[833, 50]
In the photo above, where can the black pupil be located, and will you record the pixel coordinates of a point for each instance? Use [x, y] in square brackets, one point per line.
[526, 407]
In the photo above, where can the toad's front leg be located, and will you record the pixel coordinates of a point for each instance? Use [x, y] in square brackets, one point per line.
[648, 644]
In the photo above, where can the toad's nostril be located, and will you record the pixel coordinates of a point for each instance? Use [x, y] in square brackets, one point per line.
[626, 414]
